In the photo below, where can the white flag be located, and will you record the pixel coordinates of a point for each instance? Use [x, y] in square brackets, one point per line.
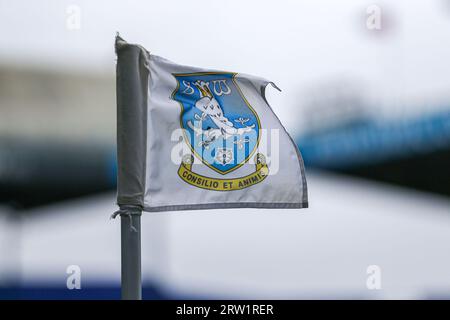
[190, 138]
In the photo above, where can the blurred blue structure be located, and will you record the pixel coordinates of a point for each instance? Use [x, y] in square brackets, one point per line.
[372, 142]
[91, 292]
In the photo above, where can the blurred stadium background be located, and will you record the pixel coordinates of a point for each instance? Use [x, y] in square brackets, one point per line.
[369, 108]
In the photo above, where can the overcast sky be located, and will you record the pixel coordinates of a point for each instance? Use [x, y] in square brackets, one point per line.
[300, 45]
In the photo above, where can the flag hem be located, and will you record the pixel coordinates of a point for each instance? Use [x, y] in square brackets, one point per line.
[132, 76]
[229, 205]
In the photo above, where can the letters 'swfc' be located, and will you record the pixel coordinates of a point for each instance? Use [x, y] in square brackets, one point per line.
[190, 138]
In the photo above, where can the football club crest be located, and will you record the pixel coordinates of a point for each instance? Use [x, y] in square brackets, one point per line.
[221, 129]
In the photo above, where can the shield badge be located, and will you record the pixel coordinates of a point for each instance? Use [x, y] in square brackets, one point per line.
[221, 127]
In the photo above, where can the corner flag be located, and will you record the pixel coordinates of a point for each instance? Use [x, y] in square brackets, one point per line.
[190, 138]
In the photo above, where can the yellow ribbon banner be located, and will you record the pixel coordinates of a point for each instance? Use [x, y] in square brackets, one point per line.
[197, 180]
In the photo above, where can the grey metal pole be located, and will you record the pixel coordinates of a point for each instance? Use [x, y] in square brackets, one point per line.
[130, 222]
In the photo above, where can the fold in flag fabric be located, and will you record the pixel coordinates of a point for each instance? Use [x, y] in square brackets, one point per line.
[190, 138]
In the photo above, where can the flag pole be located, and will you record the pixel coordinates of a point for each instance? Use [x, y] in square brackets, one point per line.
[131, 150]
[130, 221]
